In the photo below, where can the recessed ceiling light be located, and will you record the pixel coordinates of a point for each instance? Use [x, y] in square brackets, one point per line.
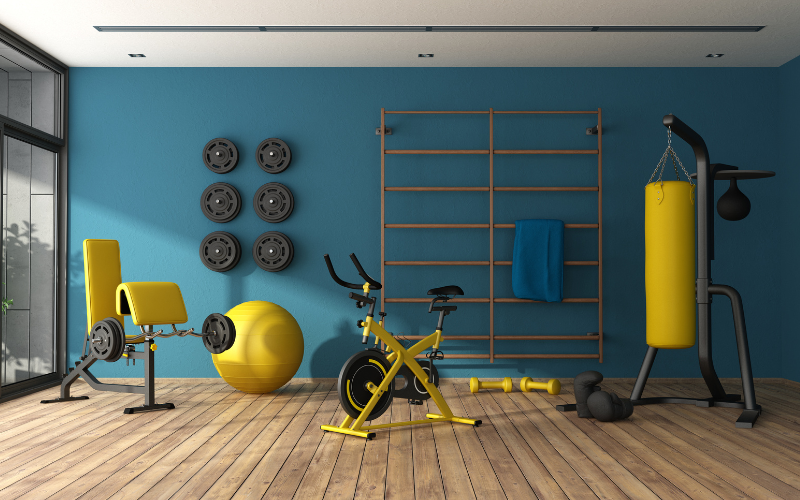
[425, 55]
[715, 55]
[136, 55]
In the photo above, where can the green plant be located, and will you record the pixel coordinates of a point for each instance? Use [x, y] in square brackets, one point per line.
[6, 302]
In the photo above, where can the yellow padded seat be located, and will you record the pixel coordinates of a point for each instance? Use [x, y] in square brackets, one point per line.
[102, 273]
[151, 303]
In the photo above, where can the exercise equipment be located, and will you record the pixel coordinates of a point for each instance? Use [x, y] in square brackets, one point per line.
[224, 333]
[552, 386]
[220, 202]
[220, 251]
[273, 156]
[593, 402]
[669, 269]
[366, 384]
[476, 385]
[273, 202]
[733, 208]
[608, 407]
[273, 251]
[148, 304]
[734, 205]
[220, 155]
[268, 348]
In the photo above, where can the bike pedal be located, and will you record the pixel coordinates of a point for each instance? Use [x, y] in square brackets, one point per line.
[435, 355]
[414, 402]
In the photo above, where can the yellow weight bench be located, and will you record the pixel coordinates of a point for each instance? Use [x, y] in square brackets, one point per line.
[108, 300]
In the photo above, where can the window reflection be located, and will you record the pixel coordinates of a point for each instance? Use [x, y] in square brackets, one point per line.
[28, 91]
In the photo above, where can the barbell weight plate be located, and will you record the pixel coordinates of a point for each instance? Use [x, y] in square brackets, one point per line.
[273, 251]
[220, 202]
[220, 251]
[273, 156]
[224, 333]
[220, 155]
[119, 331]
[104, 340]
[273, 202]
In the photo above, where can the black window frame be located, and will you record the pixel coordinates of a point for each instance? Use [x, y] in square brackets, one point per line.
[59, 145]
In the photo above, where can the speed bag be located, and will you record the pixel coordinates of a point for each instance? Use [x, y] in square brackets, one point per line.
[669, 264]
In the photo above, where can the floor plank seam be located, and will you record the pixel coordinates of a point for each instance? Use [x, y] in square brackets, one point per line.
[308, 428]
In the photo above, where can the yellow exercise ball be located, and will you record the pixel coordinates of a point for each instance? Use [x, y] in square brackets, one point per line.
[267, 351]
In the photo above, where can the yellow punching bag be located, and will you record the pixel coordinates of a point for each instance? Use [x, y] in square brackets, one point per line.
[669, 264]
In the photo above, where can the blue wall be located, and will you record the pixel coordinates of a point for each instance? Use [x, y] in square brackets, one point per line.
[789, 236]
[136, 175]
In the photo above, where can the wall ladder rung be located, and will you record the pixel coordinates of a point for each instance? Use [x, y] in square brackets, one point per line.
[491, 226]
[507, 337]
[497, 300]
[474, 263]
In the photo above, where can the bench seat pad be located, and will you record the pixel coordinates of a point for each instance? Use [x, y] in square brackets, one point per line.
[151, 303]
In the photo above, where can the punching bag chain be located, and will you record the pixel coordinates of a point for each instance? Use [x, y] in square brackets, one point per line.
[669, 154]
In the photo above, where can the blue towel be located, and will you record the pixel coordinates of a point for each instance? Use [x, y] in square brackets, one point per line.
[537, 271]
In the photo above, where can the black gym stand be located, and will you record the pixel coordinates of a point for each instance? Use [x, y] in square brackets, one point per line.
[706, 173]
[148, 389]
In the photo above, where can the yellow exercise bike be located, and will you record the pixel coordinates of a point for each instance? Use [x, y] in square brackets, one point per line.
[366, 384]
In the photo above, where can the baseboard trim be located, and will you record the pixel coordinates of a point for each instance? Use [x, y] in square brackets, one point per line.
[320, 380]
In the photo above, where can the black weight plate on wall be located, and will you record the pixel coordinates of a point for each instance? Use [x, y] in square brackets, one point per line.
[273, 202]
[220, 155]
[273, 156]
[220, 202]
[273, 251]
[220, 251]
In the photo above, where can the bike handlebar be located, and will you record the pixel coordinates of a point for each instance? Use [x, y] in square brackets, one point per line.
[336, 278]
[372, 283]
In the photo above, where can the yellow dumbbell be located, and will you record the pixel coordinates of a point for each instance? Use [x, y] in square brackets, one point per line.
[553, 386]
[476, 385]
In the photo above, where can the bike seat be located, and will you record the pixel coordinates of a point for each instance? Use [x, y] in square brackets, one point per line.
[446, 290]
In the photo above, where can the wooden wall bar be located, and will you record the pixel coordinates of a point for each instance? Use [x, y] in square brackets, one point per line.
[491, 189]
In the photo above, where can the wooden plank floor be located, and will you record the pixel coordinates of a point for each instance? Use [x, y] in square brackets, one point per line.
[220, 443]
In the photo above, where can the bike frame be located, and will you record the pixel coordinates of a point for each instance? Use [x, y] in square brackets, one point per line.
[398, 356]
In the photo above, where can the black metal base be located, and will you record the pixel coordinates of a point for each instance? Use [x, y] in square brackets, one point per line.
[748, 418]
[61, 400]
[729, 401]
[148, 389]
[745, 421]
[143, 408]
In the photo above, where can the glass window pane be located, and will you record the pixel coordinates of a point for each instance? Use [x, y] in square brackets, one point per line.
[28, 263]
[29, 91]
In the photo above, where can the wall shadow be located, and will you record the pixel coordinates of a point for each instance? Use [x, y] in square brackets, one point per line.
[330, 356]
[19, 362]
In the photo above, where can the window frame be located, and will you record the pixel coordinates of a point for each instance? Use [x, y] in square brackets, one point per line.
[59, 145]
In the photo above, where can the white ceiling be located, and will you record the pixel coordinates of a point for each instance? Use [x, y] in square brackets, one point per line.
[65, 29]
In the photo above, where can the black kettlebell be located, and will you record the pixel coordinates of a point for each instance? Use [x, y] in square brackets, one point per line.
[593, 402]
